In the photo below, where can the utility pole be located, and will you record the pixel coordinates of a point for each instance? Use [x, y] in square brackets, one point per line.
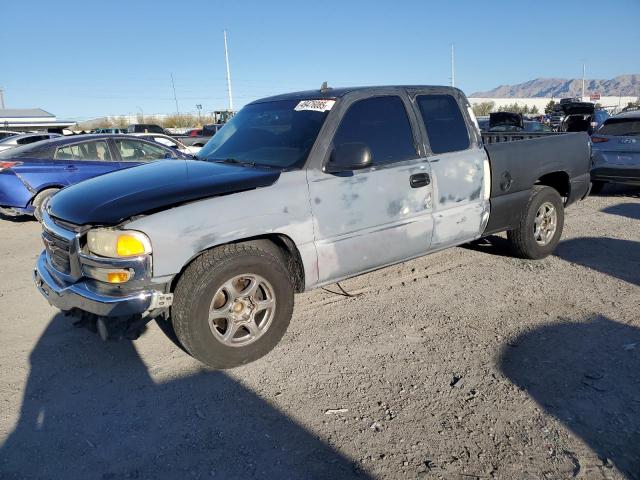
[174, 95]
[584, 69]
[1, 98]
[226, 57]
[199, 107]
[453, 68]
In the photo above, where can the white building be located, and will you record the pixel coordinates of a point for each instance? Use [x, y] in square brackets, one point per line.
[27, 119]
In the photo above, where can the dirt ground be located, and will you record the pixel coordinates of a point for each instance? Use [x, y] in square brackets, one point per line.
[464, 364]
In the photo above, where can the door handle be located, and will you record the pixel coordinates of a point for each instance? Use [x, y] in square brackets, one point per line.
[418, 180]
[71, 168]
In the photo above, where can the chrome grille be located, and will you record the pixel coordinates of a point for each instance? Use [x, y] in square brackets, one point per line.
[58, 250]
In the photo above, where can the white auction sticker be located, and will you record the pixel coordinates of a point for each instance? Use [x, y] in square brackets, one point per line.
[315, 105]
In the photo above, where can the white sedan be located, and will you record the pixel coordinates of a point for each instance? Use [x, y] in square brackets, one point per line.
[24, 139]
[168, 141]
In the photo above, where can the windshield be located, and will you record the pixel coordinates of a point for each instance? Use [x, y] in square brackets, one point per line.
[621, 127]
[276, 134]
[32, 150]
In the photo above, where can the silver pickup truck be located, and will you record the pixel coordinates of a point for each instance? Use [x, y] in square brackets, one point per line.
[296, 191]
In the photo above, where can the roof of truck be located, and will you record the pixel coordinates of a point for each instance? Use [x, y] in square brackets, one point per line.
[340, 92]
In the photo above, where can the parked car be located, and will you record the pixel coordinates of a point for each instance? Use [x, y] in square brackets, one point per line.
[581, 117]
[168, 141]
[110, 130]
[199, 137]
[8, 133]
[24, 139]
[616, 151]
[535, 126]
[146, 128]
[32, 173]
[511, 122]
[295, 192]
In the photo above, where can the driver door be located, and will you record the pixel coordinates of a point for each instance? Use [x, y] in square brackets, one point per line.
[375, 216]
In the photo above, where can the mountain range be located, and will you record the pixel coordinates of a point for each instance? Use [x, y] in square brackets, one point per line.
[624, 85]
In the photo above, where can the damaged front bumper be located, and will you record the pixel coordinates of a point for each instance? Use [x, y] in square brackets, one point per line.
[68, 297]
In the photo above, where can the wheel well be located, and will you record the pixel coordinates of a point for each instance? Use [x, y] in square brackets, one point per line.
[558, 180]
[279, 244]
[48, 187]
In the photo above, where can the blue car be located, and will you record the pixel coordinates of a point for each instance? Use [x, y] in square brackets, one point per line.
[32, 173]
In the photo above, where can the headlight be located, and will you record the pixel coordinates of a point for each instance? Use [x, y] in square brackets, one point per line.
[117, 243]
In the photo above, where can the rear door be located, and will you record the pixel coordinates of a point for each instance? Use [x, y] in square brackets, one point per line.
[372, 217]
[84, 160]
[458, 162]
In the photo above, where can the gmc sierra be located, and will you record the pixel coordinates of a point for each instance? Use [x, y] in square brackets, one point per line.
[296, 191]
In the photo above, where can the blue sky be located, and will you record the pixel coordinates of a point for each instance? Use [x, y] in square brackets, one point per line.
[81, 59]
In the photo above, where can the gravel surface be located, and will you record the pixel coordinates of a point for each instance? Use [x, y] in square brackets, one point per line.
[464, 364]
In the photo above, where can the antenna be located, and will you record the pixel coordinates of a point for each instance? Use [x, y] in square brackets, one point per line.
[453, 67]
[174, 94]
[226, 57]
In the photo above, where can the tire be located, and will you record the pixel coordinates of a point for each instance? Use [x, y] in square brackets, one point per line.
[523, 237]
[597, 186]
[39, 199]
[206, 286]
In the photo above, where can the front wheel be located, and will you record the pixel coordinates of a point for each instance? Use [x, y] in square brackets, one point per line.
[232, 305]
[540, 227]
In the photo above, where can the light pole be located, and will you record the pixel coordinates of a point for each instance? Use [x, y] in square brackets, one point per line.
[199, 107]
[141, 114]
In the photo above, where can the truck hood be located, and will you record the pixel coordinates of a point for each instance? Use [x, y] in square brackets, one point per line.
[110, 199]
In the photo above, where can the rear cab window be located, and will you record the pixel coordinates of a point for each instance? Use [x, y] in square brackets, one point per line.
[445, 126]
[383, 125]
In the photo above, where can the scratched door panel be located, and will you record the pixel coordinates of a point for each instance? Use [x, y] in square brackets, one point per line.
[369, 219]
[459, 204]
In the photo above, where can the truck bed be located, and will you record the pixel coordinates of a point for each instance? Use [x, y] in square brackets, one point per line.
[563, 160]
[498, 137]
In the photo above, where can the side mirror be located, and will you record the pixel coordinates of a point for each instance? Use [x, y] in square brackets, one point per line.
[349, 156]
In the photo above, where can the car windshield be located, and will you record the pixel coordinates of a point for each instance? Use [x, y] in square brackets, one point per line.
[276, 134]
[621, 127]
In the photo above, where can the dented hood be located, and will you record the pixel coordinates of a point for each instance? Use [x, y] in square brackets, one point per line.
[110, 199]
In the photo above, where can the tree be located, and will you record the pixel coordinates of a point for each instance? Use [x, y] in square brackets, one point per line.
[483, 109]
[534, 110]
[550, 107]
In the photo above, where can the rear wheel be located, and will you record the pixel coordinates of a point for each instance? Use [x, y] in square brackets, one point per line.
[232, 305]
[540, 226]
[39, 199]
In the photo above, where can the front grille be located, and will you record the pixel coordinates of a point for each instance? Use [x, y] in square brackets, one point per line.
[59, 251]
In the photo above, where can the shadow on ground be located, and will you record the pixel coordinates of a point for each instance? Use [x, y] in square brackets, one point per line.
[586, 375]
[18, 218]
[91, 410]
[612, 256]
[629, 210]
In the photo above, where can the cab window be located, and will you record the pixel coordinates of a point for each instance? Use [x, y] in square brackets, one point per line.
[444, 123]
[382, 124]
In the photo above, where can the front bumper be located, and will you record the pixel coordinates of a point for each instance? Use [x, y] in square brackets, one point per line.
[72, 296]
